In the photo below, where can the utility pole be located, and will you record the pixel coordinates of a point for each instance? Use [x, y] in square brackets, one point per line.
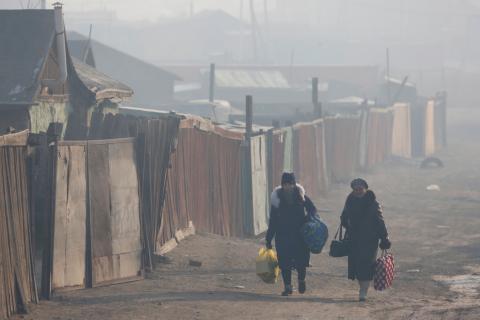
[248, 118]
[211, 95]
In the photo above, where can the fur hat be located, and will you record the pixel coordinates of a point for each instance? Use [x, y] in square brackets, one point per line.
[275, 199]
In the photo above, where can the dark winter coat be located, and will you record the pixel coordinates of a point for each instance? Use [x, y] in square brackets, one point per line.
[363, 219]
[286, 220]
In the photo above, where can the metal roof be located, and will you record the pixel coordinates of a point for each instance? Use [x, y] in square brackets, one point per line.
[353, 100]
[234, 78]
[103, 86]
[26, 36]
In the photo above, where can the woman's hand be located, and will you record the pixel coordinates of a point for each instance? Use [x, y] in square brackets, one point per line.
[385, 244]
[268, 245]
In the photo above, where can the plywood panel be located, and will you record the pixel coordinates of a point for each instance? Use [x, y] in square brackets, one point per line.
[116, 234]
[100, 202]
[69, 217]
[259, 184]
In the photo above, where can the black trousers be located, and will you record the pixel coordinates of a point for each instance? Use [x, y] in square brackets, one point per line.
[287, 275]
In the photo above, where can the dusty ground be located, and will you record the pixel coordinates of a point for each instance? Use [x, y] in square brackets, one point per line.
[436, 242]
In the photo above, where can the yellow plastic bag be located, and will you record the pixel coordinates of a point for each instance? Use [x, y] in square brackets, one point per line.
[266, 265]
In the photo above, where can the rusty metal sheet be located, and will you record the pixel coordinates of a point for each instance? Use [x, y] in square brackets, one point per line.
[306, 164]
[17, 284]
[174, 215]
[342, 140]
[203, 186]
[320, 144]
[440, 120]
[155, 143]
[379, 136]
[401, 136]
[225, 158]
[309, 156]
[430, 143]
[69, 245]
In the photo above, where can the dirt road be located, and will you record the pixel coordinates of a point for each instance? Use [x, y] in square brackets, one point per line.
[436, 242]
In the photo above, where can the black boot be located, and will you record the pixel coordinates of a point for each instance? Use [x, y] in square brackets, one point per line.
[288, 291]
[302, 286]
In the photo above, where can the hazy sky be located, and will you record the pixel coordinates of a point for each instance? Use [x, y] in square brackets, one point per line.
[151, 9]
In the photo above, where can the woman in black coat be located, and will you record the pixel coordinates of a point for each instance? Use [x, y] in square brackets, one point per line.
[363, 219]
[289, 205]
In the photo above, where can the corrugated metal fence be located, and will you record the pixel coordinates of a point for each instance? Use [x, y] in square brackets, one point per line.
[17, 284]
[203, 186]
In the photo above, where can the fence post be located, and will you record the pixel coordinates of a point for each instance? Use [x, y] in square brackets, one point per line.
[248, 212]
[211, 95]
[248, 118]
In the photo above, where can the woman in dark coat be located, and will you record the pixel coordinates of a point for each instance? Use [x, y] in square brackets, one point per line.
[363, 219]
[289, 205]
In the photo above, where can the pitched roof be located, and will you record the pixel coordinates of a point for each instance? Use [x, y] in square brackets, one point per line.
[26, 36]
[103, 86]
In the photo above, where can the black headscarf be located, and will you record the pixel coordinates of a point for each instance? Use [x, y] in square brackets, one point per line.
[359, 182]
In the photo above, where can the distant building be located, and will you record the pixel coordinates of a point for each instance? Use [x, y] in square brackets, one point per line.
[40, 83]
[276, 84]
[153, 86]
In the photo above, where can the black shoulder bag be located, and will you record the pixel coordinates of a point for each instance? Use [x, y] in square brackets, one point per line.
[340, 245]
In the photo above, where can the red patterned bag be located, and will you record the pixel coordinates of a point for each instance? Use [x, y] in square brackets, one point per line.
[384, 271]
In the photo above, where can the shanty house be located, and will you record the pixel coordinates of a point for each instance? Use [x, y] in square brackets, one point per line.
[39, 81]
